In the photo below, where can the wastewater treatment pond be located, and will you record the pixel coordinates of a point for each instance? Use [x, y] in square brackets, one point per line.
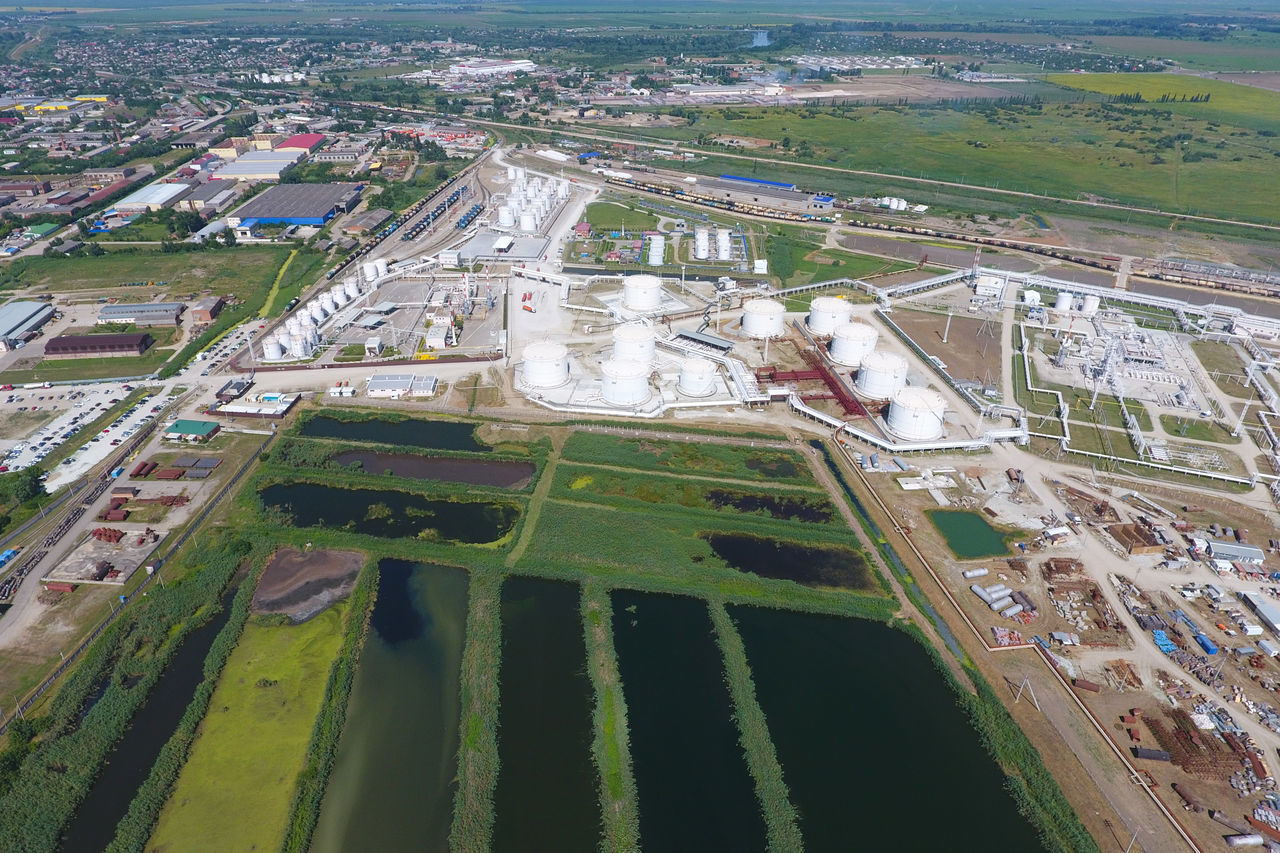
[811, 565]
[968, 534]
[472, 472]
[432, 435]
[390, 514]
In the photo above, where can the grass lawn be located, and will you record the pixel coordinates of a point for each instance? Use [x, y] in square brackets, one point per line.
[1197, 429]
[235, 790]
[612, 216]
[57, 370]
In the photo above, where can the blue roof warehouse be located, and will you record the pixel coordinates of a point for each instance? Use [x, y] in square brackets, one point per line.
[298, 204]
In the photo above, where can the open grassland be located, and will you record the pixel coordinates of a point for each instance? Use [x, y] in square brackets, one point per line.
[232, 272]
[68, 369]
[1118, 152]
[1228, 103]
[606, 216]
[264, 707]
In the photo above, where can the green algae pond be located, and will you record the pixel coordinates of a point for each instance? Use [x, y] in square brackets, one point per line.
[394, 776]
[968, 534]
[433, 435]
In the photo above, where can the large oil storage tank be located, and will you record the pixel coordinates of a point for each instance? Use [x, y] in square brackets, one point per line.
[762, 318]
[293, 324]
[1090, 305]
[506, 219]
[511, 173]
[851, 342]
[328, 303]
[527, 222]
[701, 244]
[657, 250]
[697, 377]
[272, 350]
[298, 346]
[826, 313]
[1064, 301]
[370, 270]
[351, 286]
[340, 298]
[625, 383]
[316, 310]
[724, 248]
[634, 342]
[381, 266]
[562, 190]
[546, 364]
[916, 414]
[521, 174]
[881, 374]
[642, 292]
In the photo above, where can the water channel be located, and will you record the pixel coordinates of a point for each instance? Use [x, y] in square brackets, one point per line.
[393, 779]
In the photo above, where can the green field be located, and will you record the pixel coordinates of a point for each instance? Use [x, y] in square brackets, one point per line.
[609, 216]
[689, 457]
[235, 790]
[1241, 50]
[1229, 103]
[66, 369]
[1197, 429]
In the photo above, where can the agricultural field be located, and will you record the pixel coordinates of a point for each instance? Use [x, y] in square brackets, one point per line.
[1241, 50]
[1220, 102]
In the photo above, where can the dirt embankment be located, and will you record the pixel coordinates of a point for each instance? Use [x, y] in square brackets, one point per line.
[300, 584]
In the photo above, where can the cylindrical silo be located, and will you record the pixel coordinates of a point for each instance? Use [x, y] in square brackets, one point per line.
[701, 244]
[697, 377]
[1091, 305]
[271, 350]
[642, 292]
[305, 320]
[1064, 301]
[850, 343]
[340, 297]
[624, 383]
[562, 190]
[826, 313]
[370, 270]
[762, 318]
[724, 249]
[546, 364]
[293, 324]
[316, 310]
[381, 266]
[916, 414]
[527, 222]
[506, 219]
[311, 335]
[352, 287]
[634, 342]
[881, 374]
[657, 250]
[328, 303]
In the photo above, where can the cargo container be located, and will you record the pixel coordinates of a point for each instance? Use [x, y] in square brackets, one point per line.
[1085, 684]
[1151, 754]
[117, 472]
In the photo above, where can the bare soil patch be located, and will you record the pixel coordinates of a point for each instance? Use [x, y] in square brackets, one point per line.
[963, 353]
[300, 584]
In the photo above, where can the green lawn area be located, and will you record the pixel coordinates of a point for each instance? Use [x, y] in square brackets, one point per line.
[1197, 429]
[235, 790]
[57, 370]
[606, 216]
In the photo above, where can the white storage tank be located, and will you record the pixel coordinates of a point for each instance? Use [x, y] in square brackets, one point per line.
[701, 244]
[851, 342]
[1091, 305]
[625, 383]
[381, 266]
[634, 342]
[916, 414]
[826, 313]
[881, 374]
[351, 286]
[316, 309]
[293, 324]
[340, 297]
[562, 190]
[546, 364]
[272, 350]
[506, 219]
[521, 174]
[724, 249]
[642, 292]
[697, 377]
[1064, 301]
[511, 173]
[762, 318]
[298, 347]
[311, 334]
[657, 250]
[527, 222]
[306, 321]
[370, 270]
[328, 303]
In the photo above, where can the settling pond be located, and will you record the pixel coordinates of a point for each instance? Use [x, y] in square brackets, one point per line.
[390, 514]
[473, 472]
[393, 779]
[968, 534]
[434, 435]
[811, 565]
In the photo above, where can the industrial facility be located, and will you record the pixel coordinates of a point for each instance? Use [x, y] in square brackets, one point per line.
[298, 204]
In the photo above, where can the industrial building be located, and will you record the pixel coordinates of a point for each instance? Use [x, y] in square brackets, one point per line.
[393, 386]
[151, 197]
[367, 221]
[211, 196]
[491, 67]
[189, 430]
[97, 346]
[18, 320]
[142, 313]
[298, 204]
[207, 309]
[258, 166]
[304, 142]
[1236, 552]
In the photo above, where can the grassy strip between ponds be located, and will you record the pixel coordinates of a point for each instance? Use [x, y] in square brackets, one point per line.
[264, 706]
[129, 657]
[780, 814]
[473, 816]
[327, 732]
[136, 826]
[610, 742]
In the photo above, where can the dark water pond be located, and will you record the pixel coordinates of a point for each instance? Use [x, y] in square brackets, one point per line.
[391, 514]
[787, 507]
[695, 790]
[129, 764]
[811, 565]
[968, 534]
[473, 472]
[393, 779]
[871, 740]
[547, 797]
[436, 435]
